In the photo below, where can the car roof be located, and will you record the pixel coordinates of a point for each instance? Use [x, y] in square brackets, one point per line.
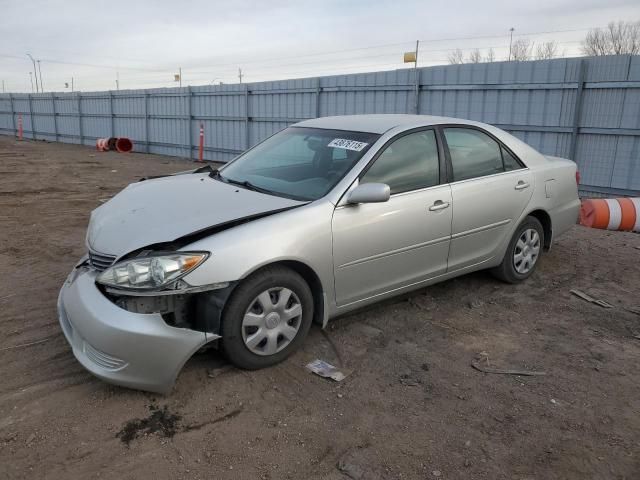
[380, 123]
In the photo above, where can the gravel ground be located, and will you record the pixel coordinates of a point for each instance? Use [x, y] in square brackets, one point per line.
[411, 407]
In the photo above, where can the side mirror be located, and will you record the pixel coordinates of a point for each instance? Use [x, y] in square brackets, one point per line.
[369, 193]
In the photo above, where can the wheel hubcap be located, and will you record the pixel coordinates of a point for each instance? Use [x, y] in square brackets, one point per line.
[272, 321]
[527, 251]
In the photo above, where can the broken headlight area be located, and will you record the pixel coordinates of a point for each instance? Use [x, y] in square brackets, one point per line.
[195, 308]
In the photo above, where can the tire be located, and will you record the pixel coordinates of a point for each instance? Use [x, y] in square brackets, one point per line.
[513, 271]
[257, 329]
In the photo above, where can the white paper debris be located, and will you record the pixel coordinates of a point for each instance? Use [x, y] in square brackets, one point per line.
[326, 370]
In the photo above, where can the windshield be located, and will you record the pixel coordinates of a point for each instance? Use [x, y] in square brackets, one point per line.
[299, 162]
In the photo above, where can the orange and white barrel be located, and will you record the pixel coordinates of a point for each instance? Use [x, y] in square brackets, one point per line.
[611, 214]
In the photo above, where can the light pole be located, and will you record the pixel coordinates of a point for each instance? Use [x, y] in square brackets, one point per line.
[35, 70]
[41, 82]
[510, 41]
[31, 78]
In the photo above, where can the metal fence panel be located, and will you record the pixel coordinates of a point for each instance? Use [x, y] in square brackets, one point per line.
[585, 108]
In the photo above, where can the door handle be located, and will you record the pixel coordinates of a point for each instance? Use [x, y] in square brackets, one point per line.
[438, 205]
[521, 185]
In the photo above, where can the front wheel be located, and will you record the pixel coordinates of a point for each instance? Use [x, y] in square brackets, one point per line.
[267, 318]
[523, 253]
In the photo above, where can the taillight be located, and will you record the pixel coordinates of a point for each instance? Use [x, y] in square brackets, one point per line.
[577, 177]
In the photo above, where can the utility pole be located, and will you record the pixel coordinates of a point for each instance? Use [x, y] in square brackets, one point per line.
[71, 84]
[117, 80]
[417, 79]
[41, 82]
[31, 78]
[35, 70]
[510, 41]
[240, 74]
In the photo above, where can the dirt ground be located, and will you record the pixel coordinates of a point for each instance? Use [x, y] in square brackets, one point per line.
[412, 406]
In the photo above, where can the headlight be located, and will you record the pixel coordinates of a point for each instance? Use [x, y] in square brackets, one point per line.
[151, 273]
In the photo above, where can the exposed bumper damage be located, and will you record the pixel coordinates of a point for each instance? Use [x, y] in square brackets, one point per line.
[129, 344]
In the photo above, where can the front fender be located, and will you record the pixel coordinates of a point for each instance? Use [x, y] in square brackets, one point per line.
[302, 235]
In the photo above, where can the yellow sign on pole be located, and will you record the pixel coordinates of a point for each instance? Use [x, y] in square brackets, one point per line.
[409, 57]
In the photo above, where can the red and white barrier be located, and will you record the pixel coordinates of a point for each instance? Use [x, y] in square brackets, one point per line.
[611, 214]
[121, 144]
[102, 144]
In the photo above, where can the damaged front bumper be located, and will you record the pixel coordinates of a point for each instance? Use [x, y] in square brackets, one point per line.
[136, 350]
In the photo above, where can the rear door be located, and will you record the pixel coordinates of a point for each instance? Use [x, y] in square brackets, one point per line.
[380, 247]
[490, 189]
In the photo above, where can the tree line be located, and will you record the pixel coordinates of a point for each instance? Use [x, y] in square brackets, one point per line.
[619, 38]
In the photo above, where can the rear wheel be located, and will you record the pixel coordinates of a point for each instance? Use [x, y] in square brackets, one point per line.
[523, 253]
[267, 318]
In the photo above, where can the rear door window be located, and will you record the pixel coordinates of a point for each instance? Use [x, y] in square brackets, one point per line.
[473, 153]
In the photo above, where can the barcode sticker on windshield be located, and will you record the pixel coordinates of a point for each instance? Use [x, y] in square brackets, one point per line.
[347, 144]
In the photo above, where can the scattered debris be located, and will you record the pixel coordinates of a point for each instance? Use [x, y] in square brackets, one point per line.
[635, 310]
[408, 381]
[326, 370]
[24, 345]
[554, 401]
[216, 372]
[589, 298]
[159, 421]
[223, 418]
[350, 470]
[476, 363]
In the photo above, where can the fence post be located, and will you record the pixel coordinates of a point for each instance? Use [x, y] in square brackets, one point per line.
[416, 74]
[146, 121]
[33, 123]
[190, 116]
[111, 117]
[80, 118]
[577, 110]
[317, 112]
[55, 115]
[246, 117]
[13, 115]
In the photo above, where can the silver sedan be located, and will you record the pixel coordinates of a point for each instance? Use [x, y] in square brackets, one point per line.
[324, 217]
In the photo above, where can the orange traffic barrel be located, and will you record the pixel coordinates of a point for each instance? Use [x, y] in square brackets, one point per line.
[611, 214]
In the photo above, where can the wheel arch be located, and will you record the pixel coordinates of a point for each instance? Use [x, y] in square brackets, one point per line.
[320, 307]
[545, 219]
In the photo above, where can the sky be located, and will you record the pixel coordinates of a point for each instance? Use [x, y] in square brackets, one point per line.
[106, 45]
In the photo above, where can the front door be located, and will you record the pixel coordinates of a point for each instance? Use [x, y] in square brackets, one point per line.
[380, 247]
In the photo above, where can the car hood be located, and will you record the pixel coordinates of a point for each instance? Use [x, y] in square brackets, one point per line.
[166, 209]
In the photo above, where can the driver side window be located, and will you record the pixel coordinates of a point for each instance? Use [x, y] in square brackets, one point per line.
[409, 163]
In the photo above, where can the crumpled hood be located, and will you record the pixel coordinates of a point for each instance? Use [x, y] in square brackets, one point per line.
[165, 209]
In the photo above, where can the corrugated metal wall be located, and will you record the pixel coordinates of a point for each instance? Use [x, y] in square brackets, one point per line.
[587, 109]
